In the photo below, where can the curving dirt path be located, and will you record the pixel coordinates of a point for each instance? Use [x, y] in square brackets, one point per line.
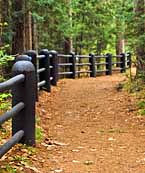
[90, 127]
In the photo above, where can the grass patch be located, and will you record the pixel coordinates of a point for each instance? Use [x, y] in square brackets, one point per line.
[39, 134]
[8, 169]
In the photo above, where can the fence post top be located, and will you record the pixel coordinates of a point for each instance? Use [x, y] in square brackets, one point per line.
[53, 52]
[23, 66]
[31, 53]
[23, 58]
[108, 54]
[91, 54]
[123, 54]
[72, 53]
[128, 53]
[44, 51]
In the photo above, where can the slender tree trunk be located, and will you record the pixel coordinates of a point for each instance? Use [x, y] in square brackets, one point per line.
[140, 30]
[68, 44]
[120, 45]
[34, 36]
[28, 30]
[4, 19]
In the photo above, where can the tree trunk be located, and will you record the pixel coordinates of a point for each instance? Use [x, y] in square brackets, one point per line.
[22, 28]
[4, 19]
[140, 30]
[67, 45]
[120, 45]
[34, 35]
[18, 44]
[28, 30]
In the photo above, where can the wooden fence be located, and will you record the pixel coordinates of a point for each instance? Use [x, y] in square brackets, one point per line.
[32, 71]
[49, 68]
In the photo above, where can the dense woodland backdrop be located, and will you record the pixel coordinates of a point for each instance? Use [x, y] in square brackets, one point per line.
[82, 26]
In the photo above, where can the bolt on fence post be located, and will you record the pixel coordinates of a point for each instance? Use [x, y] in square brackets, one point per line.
[72, 60]
[33, 55]
[109, 64]
[45, 63]
[54, 70]
[129, 59]
[92, 60]
[25, 92]
[123, 61]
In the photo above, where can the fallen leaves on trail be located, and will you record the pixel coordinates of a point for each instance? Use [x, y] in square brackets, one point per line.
[57, 143]
[58, 170]
[111, 139]
[75, 161]
[33, 169]
[88, 162]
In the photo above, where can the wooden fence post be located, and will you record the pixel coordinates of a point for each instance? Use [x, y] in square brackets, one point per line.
[108, 64]
[129, 60]
[33, 55]
[123, 61]
[72, 60]
[25, 92]
[54, 70]
[92, 61]
[45, 75]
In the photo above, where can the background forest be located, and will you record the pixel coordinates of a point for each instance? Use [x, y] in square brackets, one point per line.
[82, 26]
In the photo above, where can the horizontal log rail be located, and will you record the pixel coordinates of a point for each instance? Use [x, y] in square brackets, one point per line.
[11, 143]
[13, 112]
[11, 82]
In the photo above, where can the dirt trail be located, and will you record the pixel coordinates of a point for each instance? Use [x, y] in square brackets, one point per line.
[90, 127]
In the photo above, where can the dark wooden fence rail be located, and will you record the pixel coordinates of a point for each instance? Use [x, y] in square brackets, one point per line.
[23, 85]
[33, 71]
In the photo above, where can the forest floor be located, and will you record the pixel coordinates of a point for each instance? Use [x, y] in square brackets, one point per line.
[89, 126]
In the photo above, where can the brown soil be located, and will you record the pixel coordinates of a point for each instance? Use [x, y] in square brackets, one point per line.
[90, 127]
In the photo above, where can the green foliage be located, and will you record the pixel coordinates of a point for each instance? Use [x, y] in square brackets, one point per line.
[7, 168]
[141, 112]
[141, 107]
[4, 96]
[4, 106]
[2, 79]
[91, 24]
[4, 102]
[39, 134]
[141, 104]
[134, 85]
[4, 58]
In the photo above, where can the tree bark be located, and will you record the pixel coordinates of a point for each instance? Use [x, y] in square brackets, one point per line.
[28, 30]
[120, 45]
[4, 19]
[140, 30]
[18, 44]
[22, 28]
